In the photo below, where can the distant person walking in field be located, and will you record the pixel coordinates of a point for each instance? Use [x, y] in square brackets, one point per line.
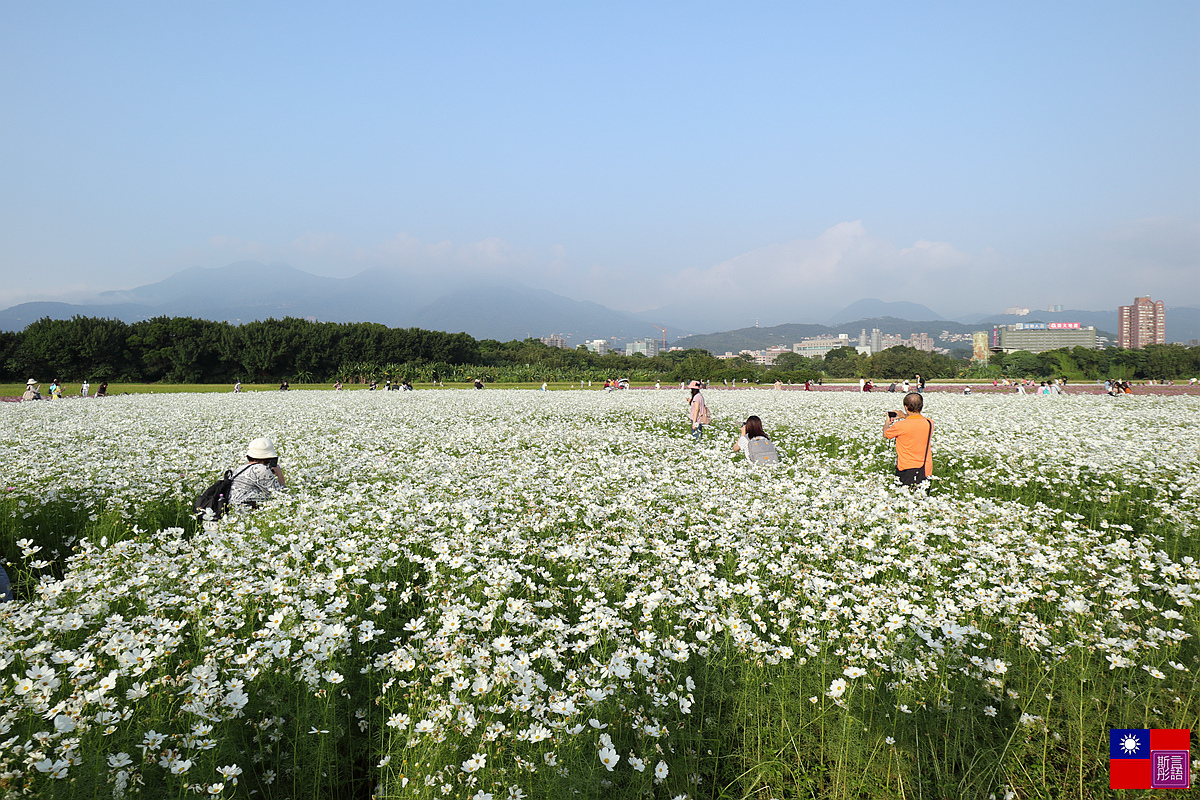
[697, 411]
[914, 440]
[83, 388]
[31, 390]
[103, 390]
[755, 443]
[237, 387]
[260, 478]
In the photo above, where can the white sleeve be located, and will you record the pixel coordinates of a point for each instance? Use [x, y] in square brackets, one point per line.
[744, 443]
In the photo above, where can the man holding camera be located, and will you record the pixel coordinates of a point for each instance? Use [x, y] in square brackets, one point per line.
[257, 480]
[914, 440]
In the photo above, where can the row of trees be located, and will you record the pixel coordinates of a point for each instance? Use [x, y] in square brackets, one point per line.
[186, 350]
[1154, 362]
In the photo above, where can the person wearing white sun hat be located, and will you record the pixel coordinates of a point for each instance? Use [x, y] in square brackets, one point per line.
[31, 390]
[260, 478]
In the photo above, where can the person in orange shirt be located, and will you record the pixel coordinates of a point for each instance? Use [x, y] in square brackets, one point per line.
[914, 440]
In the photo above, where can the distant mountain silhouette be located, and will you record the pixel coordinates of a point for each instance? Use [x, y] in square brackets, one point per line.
[249, 290]
[1102, 320]
[516, 312]
[18, 317]
[870, 307]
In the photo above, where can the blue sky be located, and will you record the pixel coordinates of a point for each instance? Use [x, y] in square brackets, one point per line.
[780, 159]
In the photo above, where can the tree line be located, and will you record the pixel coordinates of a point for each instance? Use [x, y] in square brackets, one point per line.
[188, 350]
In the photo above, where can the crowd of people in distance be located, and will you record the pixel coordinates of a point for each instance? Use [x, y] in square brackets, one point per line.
[33, 390]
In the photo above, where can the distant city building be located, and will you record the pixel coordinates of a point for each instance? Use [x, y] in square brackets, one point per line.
[555, 340]
[869, 345]
[1038, 337]
[1016, 311]
[877, 341]
[919, 341]
[922, 341]
[819, 346]
[648, 347]
[597, 346]
[768, 356]
[1141, 324]
[1055, 308]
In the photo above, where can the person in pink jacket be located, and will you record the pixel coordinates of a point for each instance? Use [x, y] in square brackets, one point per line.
[697, 410]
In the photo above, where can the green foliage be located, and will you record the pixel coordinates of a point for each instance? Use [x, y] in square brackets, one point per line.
[905, 362]
[188, 350]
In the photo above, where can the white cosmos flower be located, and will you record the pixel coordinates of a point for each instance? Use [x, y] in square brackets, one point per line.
[523, 609]
[608, 757]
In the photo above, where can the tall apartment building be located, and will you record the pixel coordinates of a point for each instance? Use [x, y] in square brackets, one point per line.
[597, 346]
[649, 347]
[555, 340]
[1141, 324]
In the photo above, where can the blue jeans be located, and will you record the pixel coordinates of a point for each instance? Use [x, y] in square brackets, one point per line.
[696, 431]
[5, 589]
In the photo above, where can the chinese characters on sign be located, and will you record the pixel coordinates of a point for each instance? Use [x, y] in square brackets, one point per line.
[1149, 758]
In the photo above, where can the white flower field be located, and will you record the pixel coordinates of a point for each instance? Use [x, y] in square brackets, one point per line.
[520, 594]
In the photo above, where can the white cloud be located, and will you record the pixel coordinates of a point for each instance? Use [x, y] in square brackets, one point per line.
[805, 280]
[71, 293]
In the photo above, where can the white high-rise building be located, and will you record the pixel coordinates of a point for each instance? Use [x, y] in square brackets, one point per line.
[648, 347]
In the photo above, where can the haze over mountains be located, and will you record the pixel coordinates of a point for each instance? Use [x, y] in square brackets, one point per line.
[246, 291]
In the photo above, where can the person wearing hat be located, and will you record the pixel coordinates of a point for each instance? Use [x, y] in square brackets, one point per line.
[697, 410]
[260, 478]
[31, 390]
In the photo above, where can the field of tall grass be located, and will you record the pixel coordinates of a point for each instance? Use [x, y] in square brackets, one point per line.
[511, 594]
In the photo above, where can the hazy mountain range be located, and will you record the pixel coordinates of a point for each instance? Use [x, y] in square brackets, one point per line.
[250, 290]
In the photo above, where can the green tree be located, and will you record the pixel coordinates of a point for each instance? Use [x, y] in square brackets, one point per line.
[1022, 364]
[1167, 362]
[843, 362]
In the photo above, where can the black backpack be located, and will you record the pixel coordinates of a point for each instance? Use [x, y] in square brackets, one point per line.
[216, 497]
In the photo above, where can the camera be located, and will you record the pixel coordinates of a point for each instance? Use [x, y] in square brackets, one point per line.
[892, 414]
